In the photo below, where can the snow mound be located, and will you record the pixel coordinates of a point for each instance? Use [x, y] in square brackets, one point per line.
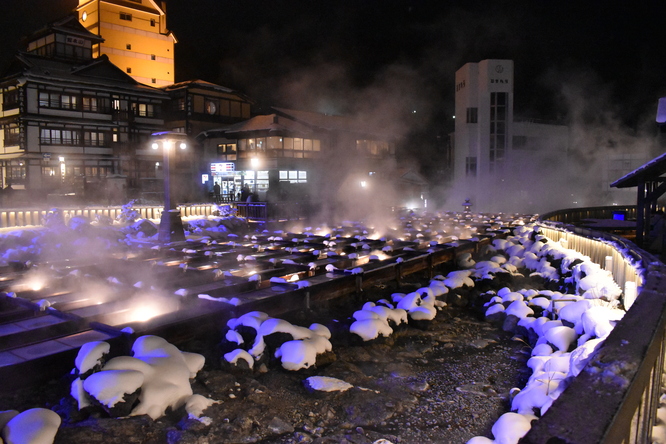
[33, 426]
[158, 368]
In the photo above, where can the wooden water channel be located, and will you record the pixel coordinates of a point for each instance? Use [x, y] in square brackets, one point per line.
[47, 311]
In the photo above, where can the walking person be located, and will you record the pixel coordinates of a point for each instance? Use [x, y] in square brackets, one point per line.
[216, 192]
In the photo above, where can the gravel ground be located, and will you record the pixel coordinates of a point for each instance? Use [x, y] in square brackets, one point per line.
[442, 384]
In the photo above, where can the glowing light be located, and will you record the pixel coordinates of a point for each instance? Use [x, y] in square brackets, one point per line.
[183, 145]
[36, 284]
[149, 306]
[380, 255]
[143, 314]
[363, 184]
[254, 162]
[155, 145]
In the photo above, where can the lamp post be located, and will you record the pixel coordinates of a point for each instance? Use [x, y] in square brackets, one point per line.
[171, 226]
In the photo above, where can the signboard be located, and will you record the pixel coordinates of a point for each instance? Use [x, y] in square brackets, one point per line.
[204, 178]
[46, 156]
[77, 41]
[222, 167]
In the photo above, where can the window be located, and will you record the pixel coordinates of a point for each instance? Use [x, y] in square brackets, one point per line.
[95, 104]
[125, 16]
[472, 115]
[152, 57]
[293, 176]
[470, 166]
[298, 147]
[128, 46]
[58, 101]
[16, 172]
[498, 114]
[10, 99]
[68, 102]
[152, 22]
[153, 80]
[144, 109]
[226, 148]
[94, 138]
[129, 70]
[12, 135]
[273, 146]
[97, 171]
[50, 136]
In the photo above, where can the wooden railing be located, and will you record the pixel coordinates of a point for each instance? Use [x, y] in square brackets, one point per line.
[22, 217]
[253, 211]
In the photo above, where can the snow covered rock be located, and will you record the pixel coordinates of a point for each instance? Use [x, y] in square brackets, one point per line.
[115, 390]
[370, 329]
[158, 374]
[90, 357]
[325, 384]
[33, 426]
[238, 361]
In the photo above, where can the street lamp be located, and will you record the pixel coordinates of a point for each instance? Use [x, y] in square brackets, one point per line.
[171, 226]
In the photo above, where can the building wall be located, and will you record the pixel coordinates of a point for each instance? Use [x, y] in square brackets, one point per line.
[150, 54]
[482, 134]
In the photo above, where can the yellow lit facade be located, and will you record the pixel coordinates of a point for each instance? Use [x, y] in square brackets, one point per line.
[135, 37]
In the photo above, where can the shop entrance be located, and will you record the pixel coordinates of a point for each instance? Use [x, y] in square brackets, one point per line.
[229, 187]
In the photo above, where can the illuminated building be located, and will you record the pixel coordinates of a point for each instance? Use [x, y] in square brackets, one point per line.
[75, 120]
[493, 150]
[71, 121]
[502, 161]
[299, 155]
[196, 106]
[135, 37]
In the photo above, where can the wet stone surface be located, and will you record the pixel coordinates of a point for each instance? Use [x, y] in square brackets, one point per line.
[445, 384]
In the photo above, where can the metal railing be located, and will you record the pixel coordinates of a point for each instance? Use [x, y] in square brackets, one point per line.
[576, 215]
[615, 398]
[270, 211]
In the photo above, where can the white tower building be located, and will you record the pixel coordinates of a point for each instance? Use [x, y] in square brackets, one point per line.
[483, 128]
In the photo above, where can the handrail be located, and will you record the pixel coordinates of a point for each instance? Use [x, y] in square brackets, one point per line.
[254, 211]
[23, 217]
[616, 396]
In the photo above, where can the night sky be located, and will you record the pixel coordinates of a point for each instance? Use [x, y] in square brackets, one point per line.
[389, 58]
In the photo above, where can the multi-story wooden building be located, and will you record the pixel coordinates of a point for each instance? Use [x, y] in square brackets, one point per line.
[78, 112]
[306, 156]
[69, 120]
